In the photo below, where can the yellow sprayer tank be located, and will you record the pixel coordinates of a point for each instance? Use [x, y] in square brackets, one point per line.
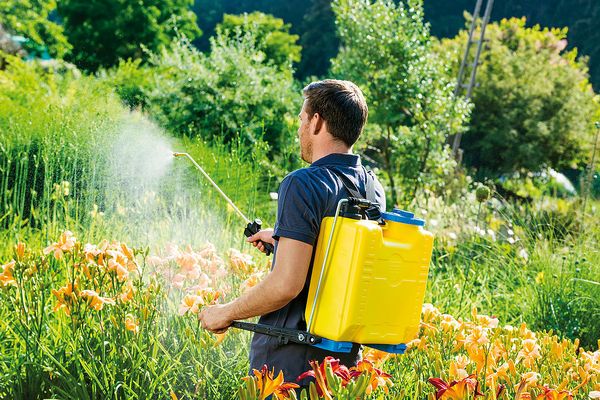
[374, 281]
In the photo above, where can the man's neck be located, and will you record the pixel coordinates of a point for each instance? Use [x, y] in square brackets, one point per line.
[330, 149]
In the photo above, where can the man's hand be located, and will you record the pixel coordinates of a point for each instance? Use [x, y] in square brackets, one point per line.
[266, 235]
[215, 318]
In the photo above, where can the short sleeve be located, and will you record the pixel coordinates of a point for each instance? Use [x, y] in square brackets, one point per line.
[296, 216]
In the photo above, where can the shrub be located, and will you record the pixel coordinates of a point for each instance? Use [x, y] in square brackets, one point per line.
[534, 107]
[229, 93]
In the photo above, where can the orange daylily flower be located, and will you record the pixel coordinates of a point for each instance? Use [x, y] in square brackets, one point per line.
[20, 250]
[240, 263]
[478, 336]
[553, 394]
[65, 296]
[429, 312]
[525, 333]
[251, 281]
[190, 303]
[483, 320]
[219, 337]
[377, 357]
[267, 385]
[449, 323]
[528, 379]
[127, 251]
[6, 277]
[529, 353]
[128, 292]
[96, 301]
[115, 266]
[131, 324]
[91, 252]
[501, 373]
[458, 367]
[456, 390]
[480, 358]
[65, 243]
[417, 344]
[378, 378]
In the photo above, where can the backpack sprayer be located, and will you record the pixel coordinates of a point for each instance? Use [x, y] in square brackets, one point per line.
[368, 279]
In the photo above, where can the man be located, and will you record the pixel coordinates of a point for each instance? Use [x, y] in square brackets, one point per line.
[331, 120]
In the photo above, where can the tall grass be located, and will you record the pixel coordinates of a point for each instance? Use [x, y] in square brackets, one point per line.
[527, 263]
[52, 127]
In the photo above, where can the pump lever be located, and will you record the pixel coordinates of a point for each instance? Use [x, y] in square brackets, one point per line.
[285, 335]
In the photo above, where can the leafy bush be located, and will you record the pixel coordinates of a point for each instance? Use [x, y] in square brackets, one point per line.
[231, 92]
[131, 81]
[102, 34]
[272, 35]
[534, 106]
[31, 20]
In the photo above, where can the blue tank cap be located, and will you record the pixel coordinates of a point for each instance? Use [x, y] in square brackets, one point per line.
[403, 213]
[402, 216]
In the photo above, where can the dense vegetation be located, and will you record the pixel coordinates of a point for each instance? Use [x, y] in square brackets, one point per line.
[104, 260]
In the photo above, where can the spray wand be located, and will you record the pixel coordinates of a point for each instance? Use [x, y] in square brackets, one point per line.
[253, 226]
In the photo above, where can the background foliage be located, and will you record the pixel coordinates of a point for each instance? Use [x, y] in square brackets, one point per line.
[103, 32]
[412, 109]
[521, 121]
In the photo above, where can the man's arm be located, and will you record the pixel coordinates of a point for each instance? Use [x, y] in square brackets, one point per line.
[279, 287]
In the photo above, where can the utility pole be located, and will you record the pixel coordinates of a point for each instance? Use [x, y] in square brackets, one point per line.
[465, 64]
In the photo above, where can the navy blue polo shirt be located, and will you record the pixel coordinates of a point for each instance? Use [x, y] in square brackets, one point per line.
[306, 196]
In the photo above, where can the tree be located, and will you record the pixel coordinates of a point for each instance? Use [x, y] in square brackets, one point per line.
[104, 31]
[581, 16]
[534, 106]
[386, 50]
[271, 34]
[29, 18]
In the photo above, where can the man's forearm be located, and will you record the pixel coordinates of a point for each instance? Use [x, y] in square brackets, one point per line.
[265, 297]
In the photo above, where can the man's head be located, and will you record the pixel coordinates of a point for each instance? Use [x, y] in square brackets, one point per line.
[334, 111]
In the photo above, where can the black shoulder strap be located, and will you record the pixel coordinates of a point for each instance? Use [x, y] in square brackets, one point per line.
[371, 196]
[348, 184]
[374, 213]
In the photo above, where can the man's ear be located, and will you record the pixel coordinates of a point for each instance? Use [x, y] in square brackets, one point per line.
[318, 122]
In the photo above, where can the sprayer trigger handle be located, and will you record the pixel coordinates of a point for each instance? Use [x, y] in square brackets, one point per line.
[253, 228]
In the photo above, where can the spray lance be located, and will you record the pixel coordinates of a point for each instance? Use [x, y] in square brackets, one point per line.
[252, 227]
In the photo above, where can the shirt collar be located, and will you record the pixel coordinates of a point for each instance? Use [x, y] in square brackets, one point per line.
[351, 160]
